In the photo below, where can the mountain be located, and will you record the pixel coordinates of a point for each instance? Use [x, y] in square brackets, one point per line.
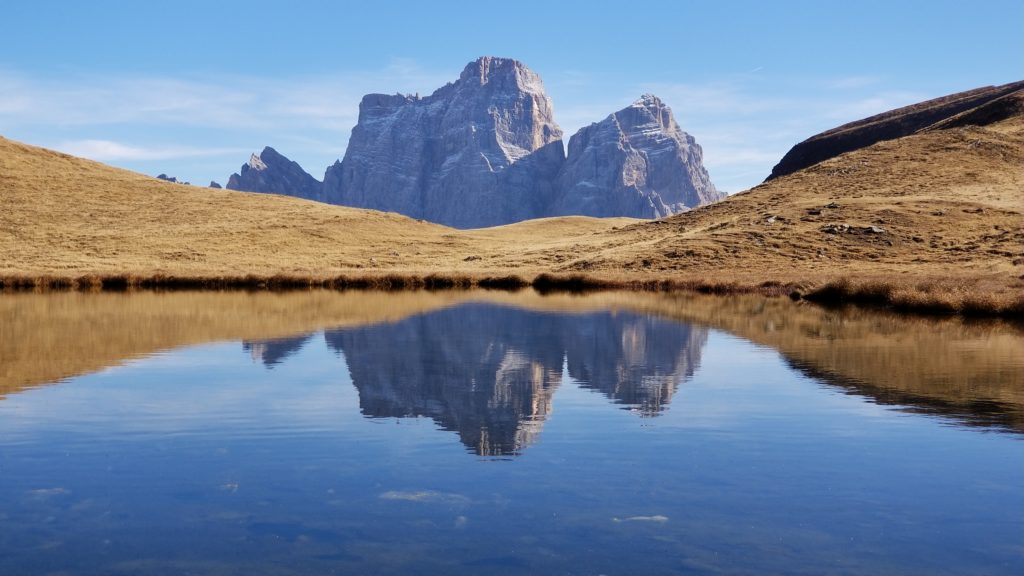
[887, 126]
[271, 172]
[481, 151]
[636, 162]
[485, 150]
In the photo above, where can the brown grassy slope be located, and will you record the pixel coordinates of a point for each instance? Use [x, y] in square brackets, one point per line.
[886, 126]
[940, 365]
[945, 365]
[950, 203]
[65, 215]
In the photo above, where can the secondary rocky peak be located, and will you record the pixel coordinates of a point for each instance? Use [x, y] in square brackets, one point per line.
[271, 172]
[636, 162]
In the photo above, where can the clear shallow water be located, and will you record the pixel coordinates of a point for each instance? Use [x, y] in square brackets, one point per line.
[482, 438]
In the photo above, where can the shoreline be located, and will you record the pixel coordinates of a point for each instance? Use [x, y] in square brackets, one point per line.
[948, 297]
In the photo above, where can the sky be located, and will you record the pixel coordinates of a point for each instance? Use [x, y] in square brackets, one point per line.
[191, 88]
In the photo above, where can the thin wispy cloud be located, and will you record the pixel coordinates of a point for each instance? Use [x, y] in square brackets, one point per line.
[225, 102]
[109, 151]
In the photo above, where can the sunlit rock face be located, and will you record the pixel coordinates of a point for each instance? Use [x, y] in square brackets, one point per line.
[481, 151]
[272, 173]
[636, 162]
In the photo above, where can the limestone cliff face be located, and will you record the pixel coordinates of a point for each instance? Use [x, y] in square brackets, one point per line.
[481, 151]
[273, 173]
[636, 162]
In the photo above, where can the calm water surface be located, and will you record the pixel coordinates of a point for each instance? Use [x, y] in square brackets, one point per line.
[325, 434]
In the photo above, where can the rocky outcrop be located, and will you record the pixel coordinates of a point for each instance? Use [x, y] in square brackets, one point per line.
[481, 151]
[272, 173]
[171, 179]
[215, 184]
[897, 124]
[636, 162]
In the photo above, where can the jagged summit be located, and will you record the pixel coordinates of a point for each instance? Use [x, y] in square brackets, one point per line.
[271, 172]
[636, 162]
[487, 69]
[256, 162]
[647, 100]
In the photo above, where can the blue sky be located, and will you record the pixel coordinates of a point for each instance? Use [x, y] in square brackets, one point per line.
[191, 88]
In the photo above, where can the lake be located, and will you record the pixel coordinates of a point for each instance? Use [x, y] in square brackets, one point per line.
[475, 432]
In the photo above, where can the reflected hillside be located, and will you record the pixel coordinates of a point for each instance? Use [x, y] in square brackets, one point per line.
[488, 372]
[970, 372]
[47, 337]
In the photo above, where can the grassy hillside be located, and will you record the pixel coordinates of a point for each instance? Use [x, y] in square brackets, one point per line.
[945, 206]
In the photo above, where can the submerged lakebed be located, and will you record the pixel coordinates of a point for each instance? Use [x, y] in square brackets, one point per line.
[475, 432]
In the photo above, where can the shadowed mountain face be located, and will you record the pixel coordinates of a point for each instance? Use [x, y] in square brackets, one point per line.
[272, 173]
[489, 372]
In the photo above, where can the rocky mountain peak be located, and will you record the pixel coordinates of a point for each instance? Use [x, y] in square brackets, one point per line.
[636, 162]
[481, 151]
[487, 69]
[256, 162]
[271, 172]
[648, 100]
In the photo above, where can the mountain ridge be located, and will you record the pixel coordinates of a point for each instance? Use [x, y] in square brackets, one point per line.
[486, 150]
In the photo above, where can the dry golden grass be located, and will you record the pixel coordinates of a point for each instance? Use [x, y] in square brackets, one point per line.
[44, 338]
[947, 364]
[950, 202]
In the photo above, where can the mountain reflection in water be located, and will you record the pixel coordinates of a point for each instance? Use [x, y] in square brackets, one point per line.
[488, 372]
[135, 438]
